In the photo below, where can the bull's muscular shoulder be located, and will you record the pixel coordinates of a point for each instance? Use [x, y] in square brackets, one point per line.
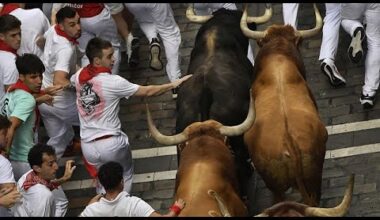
[229, 15]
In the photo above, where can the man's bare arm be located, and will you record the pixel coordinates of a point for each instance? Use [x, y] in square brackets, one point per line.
[16, 122]
[60, 79]
[152, 90]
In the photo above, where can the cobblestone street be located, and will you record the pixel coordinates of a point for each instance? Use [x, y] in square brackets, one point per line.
[353, 145]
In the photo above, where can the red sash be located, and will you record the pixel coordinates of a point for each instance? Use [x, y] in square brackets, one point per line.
[91, 169]
[90, 72]
[63, 34]
[19, 85]
[8, 8]
[90, 9]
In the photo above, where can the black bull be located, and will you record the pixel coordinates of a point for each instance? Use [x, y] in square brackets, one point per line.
[222, 78]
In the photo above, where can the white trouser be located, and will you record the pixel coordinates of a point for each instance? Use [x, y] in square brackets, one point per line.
[250, 53]
[371, 13]
[330, 37]
[158, 18]
[115, 149]
[209, 8]
[114, 7]
[289, 13]
[61, 202]
[58, 124]
[19, 168]
[103, 26]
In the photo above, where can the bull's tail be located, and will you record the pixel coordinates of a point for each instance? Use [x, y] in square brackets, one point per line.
[296, 162]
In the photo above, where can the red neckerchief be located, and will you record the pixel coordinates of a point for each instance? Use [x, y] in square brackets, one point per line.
[20, 85]
[91, 71]
[8, 8]
[32, 179]
[5, 47]
[63, 34]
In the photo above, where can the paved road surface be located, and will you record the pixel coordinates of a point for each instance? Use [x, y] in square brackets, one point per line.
[353, 132]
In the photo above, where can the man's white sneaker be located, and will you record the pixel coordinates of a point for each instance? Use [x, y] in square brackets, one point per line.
[330, 70]
[367, 101]
[155, 54]
[175, 93]
[355, 50]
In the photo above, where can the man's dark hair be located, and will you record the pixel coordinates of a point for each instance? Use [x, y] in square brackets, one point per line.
[65, 12]
[110, 174]
[29, 64]
[35, 154]
[8, 22]
[94, 48]
[4, 122]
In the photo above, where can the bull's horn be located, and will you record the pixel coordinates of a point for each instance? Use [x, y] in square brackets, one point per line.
[262, 215]
[213, 213]
[245, 125]
[318, 25]
[337, 211]
[190, 14]
[160, 138]
[223, 209]
[246, 31]
[262, 19]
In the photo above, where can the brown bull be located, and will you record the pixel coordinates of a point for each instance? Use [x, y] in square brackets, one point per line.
[206, 177]
[295, 209]
[287, 143]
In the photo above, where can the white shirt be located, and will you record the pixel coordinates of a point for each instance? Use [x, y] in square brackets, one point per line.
[59, 54]
[37, 201]
[6, 176]
[114, 7]
[8, 70]
[33, 23]
[98, 104]
[123, 205]
[209, 8]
